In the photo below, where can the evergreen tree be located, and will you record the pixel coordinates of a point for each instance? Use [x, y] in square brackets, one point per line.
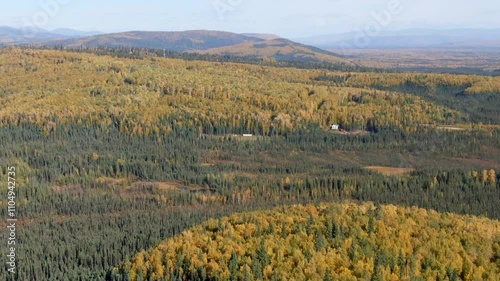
[352, 251]
[328, 276]
[257, 269]
[246, 274]
[401, 264]
[371, 225]
[320, 240]
[233, 267]
[310, 223]
[284, 233]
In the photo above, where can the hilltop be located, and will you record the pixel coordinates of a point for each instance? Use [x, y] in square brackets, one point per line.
[280, 49]
[328, 242]
[173, 41]
[261, 46]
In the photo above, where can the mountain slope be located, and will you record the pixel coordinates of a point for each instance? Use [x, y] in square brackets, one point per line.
[174, 41]
[265, 46]
[328, 242]
[280, 49]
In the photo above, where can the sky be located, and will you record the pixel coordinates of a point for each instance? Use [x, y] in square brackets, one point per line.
[287, 18]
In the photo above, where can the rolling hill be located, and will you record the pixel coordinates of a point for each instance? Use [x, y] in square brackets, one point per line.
[262, 46]
[328, 242]
[173, 41]
[280, 49]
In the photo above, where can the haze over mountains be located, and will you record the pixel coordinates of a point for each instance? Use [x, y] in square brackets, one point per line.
[410, 38]
[12, 35]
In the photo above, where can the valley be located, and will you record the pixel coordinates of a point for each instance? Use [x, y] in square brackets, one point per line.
[217, 161]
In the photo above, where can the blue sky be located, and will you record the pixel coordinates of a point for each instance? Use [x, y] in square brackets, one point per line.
[291, 18]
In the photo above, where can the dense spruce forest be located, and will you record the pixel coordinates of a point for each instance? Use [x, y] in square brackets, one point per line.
[113, 155]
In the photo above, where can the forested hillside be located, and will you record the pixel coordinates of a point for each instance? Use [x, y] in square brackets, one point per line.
[115, 154]
[44, 87]
[327, 242]
[257, 46]
[280, 49]
[174, 41]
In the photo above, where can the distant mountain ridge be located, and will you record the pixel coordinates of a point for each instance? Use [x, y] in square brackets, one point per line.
[179, 41]
[75, 33]
[13, 35]
[259, 46]
[410, 38]
[262, 36]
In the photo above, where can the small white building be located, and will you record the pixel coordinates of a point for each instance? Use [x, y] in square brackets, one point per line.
[335, 127]
[247, 135]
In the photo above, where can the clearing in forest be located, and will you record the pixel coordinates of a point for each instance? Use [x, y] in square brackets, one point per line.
[392, 171]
